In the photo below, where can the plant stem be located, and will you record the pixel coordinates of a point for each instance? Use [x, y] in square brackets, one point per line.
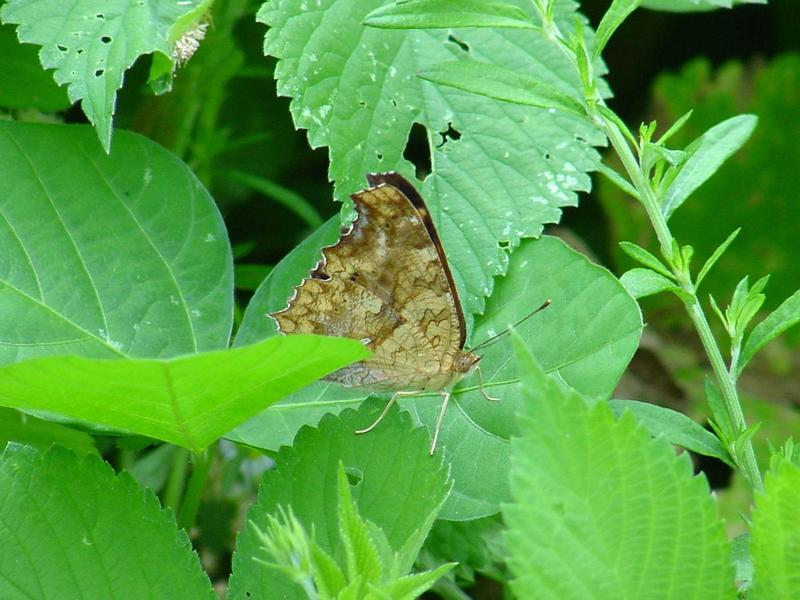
[724, 377]
[201, 465]
[177, 479]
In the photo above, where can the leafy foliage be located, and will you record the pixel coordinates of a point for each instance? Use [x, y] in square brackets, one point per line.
[397, 487]
[509, 172]
[588, 305]
[91, 43]
[72, 528]
[600, 509]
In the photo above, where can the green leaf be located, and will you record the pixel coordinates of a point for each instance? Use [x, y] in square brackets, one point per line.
[675, 128]
[618, 180]
[25, 85]
[718, 410]
[400, 488]
[510, 171]
[445, 14]
[641, 283]
[26, 429]
[715, 257]
[644, 257]
[612, 19]
[781, 319]
[775, 535]
[599, 505]
[742, 561]
[72, 528]
[91, 43]
[705, 155]
[361, 555]
[106, 256]
[189, 401]
[413, 586]
[589, 306]
[675, 427]
[499, 83]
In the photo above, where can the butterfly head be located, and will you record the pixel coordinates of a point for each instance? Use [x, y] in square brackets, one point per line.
[465, 362]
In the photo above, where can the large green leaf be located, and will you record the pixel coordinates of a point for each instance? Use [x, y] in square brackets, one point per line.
[355, 89]
[775, 541]
[397, 486]
[189, 401]
[601, 510]
[71, 528]
[589, 308]
[91, 43]
[106, 256]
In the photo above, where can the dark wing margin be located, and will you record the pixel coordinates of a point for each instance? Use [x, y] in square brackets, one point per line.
[409, 191]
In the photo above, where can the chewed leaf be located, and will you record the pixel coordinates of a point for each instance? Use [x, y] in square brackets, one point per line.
[502, 171]
[91, 43]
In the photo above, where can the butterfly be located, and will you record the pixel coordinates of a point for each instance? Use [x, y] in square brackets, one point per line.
[387, 283]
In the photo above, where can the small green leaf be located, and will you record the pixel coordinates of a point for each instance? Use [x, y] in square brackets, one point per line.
[718, 410]
[742, 439]
[775, 535]
[705, 155]
[718, 311]
[412, 586]
[676, 126]
[615, 15]
[363, 563]
[445, 14]
[502, 84]
[641, 283]
[644, 257]
[600, 505]
[676, 427]
[72, 528]
[618, 180]
[189, 401]
[715, 257]
[742, 561]
[781, 319]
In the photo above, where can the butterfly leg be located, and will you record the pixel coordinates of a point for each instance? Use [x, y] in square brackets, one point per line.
[446, 395]
[384, 412]
[483, 391]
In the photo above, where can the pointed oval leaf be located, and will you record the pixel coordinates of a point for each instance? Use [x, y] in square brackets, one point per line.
[106, 256]
[781, 319]
[706, 154]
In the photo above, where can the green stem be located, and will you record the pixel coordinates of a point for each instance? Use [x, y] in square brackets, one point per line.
[201, 465]
[177, 479]
[726, 382]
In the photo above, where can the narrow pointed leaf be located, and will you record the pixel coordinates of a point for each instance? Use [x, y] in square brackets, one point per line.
[641, 283]
[781, 319]
[715, 257]
[445, 14]
[706, 154]
[612, 19]
[675, 427]
[644, 257]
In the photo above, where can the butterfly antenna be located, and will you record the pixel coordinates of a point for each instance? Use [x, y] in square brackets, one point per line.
[496, 338]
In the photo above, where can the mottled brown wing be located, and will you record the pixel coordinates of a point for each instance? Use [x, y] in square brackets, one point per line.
[386, 282]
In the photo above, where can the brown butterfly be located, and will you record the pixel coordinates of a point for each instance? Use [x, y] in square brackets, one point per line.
[387, 283]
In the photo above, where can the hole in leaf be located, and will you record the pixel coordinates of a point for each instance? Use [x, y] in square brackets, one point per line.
[450, 134]
[379, 155]
[106, 39]
[99, 72]
[461, 44]
[394, 102]
[79, 51]
[99, 16]
[581, 139]
[546, 156]
[417, 150]
[62, 48]
[362, 104]
[354, 476]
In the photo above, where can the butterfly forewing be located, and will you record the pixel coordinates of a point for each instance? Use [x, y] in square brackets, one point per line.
[385, 282]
